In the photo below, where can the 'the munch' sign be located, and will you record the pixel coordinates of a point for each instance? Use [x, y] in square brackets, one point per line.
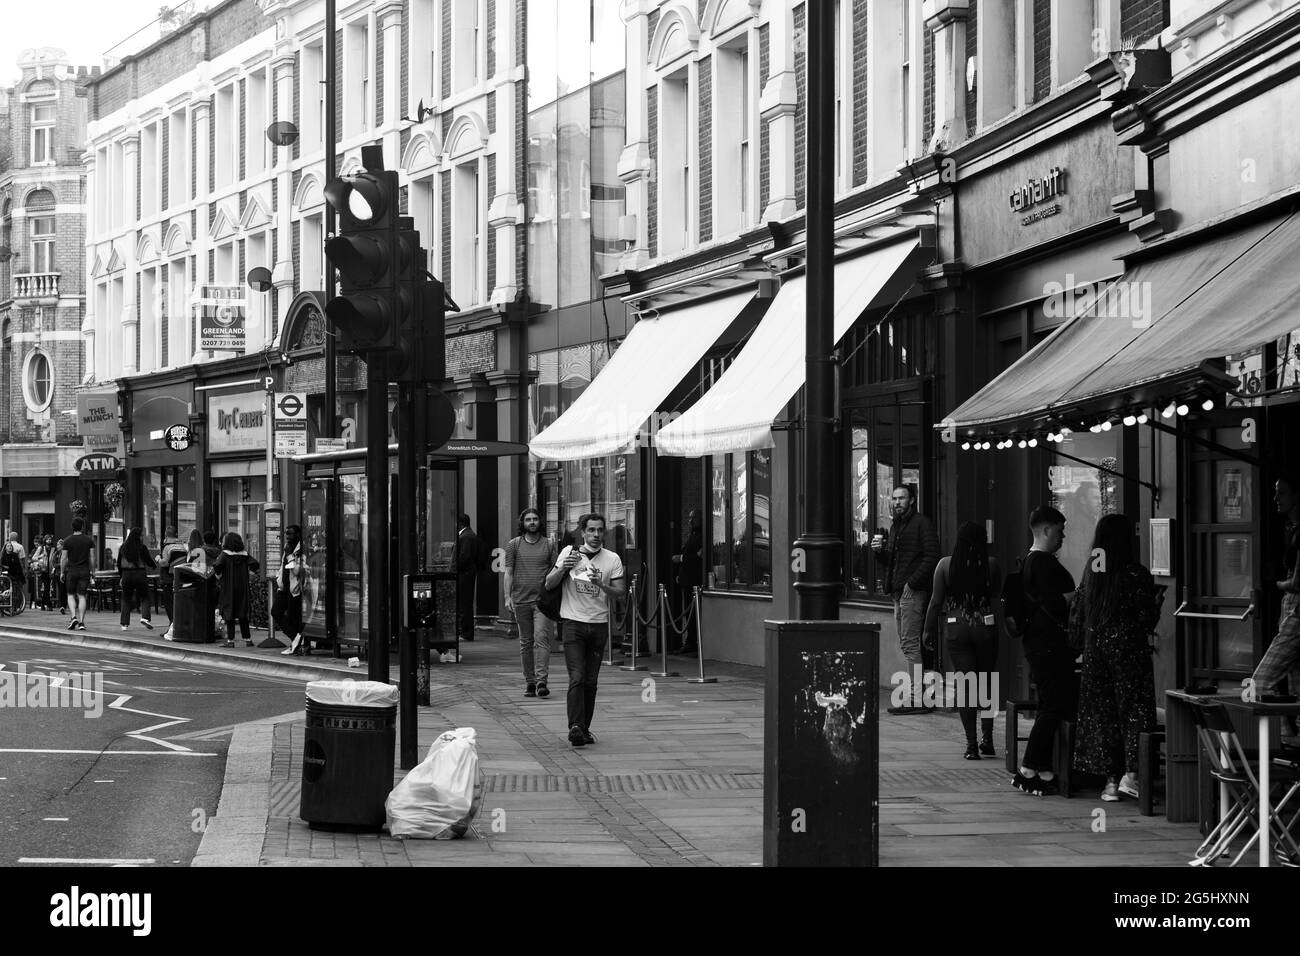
[97, 418]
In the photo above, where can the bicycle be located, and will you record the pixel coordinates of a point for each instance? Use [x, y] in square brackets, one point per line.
[13, 598]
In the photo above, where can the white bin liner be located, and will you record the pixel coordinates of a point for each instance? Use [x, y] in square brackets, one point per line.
[439, 798]
[352, 693]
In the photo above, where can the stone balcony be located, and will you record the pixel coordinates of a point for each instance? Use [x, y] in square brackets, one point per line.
[36, 285]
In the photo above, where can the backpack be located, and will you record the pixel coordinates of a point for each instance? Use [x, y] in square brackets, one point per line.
[1018, 605]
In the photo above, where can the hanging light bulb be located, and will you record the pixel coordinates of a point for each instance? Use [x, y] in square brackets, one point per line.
[1106, 426]
[1130, 420]
[1182, 409]
[985, 446]
[1033, 443]
[1142, 419]
[1169, 411]
[1094, 428]
[965, 446]
[1022, 444]
[1208, 405]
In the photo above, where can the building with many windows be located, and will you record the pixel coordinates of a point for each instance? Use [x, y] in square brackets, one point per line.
[42, 290]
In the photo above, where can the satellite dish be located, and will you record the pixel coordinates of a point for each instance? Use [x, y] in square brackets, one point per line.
[282, 133]
[259, 279]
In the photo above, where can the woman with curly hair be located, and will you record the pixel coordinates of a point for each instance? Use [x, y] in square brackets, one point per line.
[1111, 619]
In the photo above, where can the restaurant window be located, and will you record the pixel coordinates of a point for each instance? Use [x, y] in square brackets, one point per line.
[1084, 493]
[740, 521]
[886, 450]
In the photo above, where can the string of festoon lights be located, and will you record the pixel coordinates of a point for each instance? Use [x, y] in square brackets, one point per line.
[1175, 407]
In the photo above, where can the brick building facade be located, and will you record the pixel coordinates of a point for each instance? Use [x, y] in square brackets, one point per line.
[42, 288]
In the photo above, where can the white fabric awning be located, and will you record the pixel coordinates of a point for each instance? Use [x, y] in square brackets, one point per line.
[655, 356]
[737, 412]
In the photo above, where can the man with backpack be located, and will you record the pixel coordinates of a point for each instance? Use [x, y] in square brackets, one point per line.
[1036, 602]
[529, 557]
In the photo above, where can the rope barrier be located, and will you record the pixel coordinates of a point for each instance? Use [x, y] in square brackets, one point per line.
[663, 636]
[636, 618]
[699, 643]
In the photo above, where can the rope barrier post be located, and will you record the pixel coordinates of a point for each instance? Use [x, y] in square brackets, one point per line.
[666, 617]
[609, 644]
[699, 643]
[636, 618]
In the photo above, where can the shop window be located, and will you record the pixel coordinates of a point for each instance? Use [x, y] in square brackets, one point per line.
[740, 521]
[886, 450]
[1084, 493]
[38, 381]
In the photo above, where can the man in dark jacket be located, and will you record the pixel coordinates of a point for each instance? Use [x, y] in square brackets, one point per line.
[908, 558]
[467, 559]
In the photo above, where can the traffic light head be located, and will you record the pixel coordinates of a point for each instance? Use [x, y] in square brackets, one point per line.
[372, 260]
[365, 200]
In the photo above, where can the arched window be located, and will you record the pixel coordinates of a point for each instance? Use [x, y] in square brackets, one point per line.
[38, 381]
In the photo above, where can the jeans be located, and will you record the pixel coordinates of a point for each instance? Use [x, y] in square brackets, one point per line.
[535, 633]
[1058, 699]
[583, 646]
[1282, 659]
[135, 587]
[909, 615]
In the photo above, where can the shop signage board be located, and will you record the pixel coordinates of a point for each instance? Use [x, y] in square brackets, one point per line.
[98, 465]
[97, 417]
[237, 422]
[290, 424]
[222, 318]
[178, 437]
[331, 444]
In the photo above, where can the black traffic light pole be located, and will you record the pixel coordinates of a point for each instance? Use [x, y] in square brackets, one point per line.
[377, 511]
[330, 424]
[818, 588]
[406, 547]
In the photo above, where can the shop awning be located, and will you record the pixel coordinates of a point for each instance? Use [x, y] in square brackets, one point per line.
[656, 355]
[1151, 331]
[738, 411]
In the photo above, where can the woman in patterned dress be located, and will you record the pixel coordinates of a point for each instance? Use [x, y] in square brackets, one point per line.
[1113, 614]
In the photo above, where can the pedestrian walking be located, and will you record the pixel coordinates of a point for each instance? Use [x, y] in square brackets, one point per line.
[78, 566]
[134, 562]
[58, 588]
[233, 565]
[290, 588]
[590, 574]
[467, 565]
[11, 563]
[1051, 662]
[530, 555]
[908, 556]
[1282, 657]
[967, 585]
[1111, 619]
[33, 575]
[42, 555]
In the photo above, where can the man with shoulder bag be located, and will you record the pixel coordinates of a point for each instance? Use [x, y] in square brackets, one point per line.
[529, 556]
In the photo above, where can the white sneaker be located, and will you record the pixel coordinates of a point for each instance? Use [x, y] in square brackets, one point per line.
[125, 627]
[1128, 785]
[1111, 792]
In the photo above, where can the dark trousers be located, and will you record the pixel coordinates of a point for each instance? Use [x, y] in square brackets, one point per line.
[135, 587]
[289, 621]
[1052, 668]
[465, 605]
[45, 589]
[243, 626]
[583, 646]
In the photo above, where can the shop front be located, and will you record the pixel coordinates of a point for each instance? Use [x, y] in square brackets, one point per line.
[164, 479]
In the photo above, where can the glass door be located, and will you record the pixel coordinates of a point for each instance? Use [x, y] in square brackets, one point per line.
[352, 561]
[1223, 618]
[316, 503]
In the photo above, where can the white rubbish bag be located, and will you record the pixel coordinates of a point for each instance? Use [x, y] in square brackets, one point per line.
[439, 798]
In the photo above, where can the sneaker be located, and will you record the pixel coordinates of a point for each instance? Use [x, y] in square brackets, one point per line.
[530, 690]
[1025, 784]
[148, 624]
[72, 625]
[542, 689]
[1128, 785]
[126, 627]
[588, 736]
[577, 736]
[1046, 788]
[972, 751]
[986, 748]
[1110, 793]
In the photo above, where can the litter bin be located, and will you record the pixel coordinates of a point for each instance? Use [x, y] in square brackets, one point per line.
[348, 754]
[191, 607]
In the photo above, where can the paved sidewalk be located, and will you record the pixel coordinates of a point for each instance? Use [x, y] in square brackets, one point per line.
[675, 779]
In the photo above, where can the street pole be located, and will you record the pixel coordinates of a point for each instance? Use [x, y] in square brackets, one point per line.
[406, 546]
[377, 581]
[818, 587]
[330, 426]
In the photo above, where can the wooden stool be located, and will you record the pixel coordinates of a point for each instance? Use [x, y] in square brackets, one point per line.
[1013, 738]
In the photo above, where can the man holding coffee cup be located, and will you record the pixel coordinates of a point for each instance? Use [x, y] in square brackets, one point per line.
[908, 555]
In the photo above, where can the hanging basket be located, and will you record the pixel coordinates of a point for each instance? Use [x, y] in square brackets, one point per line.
[114, 494]
[78, 508]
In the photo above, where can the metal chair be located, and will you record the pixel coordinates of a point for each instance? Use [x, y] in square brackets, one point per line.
[1230, 765]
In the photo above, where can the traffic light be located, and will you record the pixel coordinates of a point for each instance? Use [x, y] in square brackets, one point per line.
[422, 355]
[371, 254]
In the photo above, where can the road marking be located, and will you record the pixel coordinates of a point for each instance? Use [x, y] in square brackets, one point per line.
[105, 781]
[48, 860]
[55, 819]
[111, 753]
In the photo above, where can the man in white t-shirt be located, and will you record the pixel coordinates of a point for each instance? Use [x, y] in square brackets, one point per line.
[590, 574]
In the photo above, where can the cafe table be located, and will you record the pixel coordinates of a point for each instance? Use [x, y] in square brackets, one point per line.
[1264, 712]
